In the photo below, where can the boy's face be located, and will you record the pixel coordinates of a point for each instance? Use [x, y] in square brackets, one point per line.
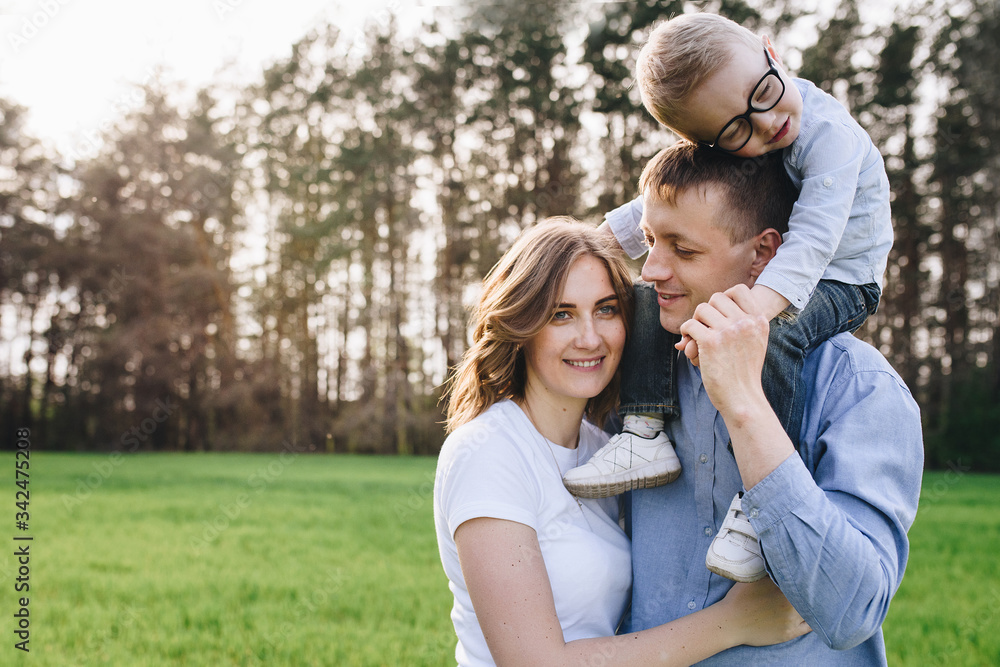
[724, 96]
[690, 257]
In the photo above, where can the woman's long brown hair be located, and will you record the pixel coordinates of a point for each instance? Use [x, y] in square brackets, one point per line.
[516, 302]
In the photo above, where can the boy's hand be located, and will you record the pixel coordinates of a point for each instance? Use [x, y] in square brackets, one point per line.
[762, 300]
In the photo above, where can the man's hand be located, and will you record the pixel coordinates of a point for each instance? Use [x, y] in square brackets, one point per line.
[690, 348]
[731, 339]
[762, 301]
[732, 343]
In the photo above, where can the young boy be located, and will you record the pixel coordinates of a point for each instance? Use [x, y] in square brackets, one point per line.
[714, 82]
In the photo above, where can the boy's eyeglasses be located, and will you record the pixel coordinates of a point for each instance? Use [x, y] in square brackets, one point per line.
[764, 97]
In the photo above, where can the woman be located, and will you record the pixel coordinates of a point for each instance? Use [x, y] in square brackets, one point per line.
[540, 576]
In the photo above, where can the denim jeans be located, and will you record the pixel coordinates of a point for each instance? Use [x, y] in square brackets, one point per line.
[649, 383]
[648, 380]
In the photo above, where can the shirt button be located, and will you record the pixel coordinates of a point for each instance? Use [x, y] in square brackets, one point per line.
[691, 604]
[703, 458]
[708, 530]
[754, 513]
[827, 182]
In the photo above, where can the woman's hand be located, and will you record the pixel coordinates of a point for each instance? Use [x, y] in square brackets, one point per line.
[763, 614]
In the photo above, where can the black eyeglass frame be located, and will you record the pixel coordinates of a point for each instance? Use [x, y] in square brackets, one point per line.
[751, 109]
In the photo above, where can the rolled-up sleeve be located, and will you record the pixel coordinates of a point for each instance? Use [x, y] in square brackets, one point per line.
[624, 223]
[833, 526]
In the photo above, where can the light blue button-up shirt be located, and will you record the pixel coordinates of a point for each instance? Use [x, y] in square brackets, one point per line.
[832, 524]
[840, 227]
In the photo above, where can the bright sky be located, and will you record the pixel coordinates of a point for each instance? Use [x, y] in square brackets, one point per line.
[71, 62]
[74, 63]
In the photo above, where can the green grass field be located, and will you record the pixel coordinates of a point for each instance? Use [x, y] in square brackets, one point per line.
[331, 560]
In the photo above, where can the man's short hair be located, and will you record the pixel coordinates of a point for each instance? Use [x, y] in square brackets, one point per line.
[679, 55]
[757, 191]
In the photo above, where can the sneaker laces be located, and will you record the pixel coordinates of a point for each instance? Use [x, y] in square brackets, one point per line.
[617, 445]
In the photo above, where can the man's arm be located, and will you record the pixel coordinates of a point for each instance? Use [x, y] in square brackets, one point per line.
[830, 157]
[732, 343]
[834, 538]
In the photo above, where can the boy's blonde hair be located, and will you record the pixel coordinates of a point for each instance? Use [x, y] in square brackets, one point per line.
[679, 55]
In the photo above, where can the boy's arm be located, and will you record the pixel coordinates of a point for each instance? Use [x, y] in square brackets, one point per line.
[623, 222]
[829, 161]
[605, 229]
[769, 303]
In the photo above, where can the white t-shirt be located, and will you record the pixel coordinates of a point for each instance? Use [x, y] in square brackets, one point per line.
[499, 466]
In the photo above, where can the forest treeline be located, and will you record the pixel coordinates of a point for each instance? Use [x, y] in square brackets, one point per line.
[290, 263]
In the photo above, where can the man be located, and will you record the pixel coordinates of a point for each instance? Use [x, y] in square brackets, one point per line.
[832, 517]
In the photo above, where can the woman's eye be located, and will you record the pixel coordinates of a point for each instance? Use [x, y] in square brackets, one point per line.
[608, 310]
[560, 315]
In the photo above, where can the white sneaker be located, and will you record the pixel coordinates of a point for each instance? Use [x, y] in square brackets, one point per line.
[735, 551]
[627, 462]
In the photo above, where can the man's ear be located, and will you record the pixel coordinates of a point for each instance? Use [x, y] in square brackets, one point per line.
[765, 247]
[766, 41]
